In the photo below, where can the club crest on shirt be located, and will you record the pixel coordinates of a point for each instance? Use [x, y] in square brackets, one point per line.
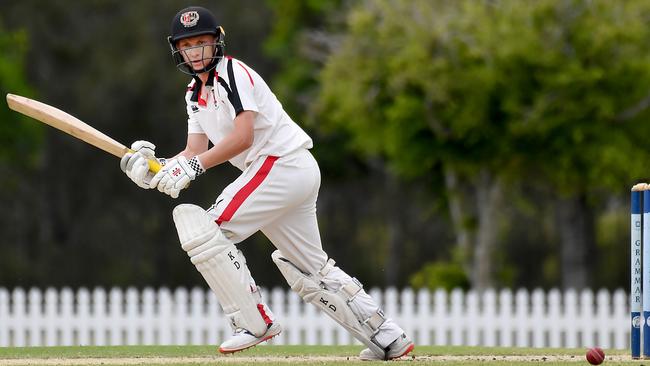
[194, 108]
[189, 19]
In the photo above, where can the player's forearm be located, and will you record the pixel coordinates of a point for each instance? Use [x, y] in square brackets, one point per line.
[231, 146]
[197, 143]
[237, 141]
[188, 153]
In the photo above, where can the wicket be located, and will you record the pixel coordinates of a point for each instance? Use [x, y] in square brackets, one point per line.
[640, 269]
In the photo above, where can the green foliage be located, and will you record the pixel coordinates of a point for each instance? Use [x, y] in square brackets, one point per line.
[20, 137]
[554, 92]
[299, 41]
[505, 86]
[446, 275]
[297, 74]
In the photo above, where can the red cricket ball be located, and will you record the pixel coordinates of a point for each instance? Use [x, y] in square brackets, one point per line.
[595, 356]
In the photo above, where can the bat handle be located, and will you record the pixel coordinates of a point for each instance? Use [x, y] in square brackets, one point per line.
[154, 165]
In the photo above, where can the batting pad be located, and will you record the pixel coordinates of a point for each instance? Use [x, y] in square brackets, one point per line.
[223, 267]
[336, 304]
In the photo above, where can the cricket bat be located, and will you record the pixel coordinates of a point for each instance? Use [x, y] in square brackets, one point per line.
[71, 125]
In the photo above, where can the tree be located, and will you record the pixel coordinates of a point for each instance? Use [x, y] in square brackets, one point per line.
[18, 138]
[20, 141]
[488, 96]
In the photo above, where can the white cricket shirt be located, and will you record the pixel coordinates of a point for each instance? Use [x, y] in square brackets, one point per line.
[237, 88]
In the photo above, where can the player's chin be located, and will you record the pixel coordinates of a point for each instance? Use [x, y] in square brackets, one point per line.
[198, 66]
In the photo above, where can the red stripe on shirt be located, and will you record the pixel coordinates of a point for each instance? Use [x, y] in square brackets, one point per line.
[249, 75]
[247, 190]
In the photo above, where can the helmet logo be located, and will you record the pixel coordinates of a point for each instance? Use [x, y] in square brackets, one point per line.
[190, 18]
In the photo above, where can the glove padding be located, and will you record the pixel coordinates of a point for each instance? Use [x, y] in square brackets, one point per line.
[173, 177]
[135, 164]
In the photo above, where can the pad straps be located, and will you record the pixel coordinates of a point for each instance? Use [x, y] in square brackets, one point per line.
[351, 290]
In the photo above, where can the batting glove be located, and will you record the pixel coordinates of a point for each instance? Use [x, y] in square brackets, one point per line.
[176, 175]
[135, 164]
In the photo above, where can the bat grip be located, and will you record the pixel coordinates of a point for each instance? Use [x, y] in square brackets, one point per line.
[154, 165]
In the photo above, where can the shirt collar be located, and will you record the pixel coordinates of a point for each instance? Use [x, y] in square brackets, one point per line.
[198, 83]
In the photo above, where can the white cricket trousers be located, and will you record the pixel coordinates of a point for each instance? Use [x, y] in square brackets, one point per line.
[278, 197]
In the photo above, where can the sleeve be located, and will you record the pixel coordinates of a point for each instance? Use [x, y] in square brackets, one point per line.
[242, 86]
[193, 125]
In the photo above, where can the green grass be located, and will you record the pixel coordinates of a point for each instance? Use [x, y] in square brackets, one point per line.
[297, 355]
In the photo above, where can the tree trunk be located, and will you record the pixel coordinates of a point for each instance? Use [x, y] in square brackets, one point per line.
[575, 223]
[474, 214]
[488, 201]
[461, 216]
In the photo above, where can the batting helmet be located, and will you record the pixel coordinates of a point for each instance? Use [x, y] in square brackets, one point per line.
[195, 21]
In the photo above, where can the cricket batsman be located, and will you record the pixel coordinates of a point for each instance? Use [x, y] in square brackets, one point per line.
[230, 106]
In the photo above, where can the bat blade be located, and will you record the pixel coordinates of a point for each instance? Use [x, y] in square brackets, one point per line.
[65, 122]
[69, 124]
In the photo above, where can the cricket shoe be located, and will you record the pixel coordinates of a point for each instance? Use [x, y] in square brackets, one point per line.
[400, 347]
[243, 339]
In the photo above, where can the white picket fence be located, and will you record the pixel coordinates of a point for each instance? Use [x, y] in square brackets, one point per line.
[127, 317]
